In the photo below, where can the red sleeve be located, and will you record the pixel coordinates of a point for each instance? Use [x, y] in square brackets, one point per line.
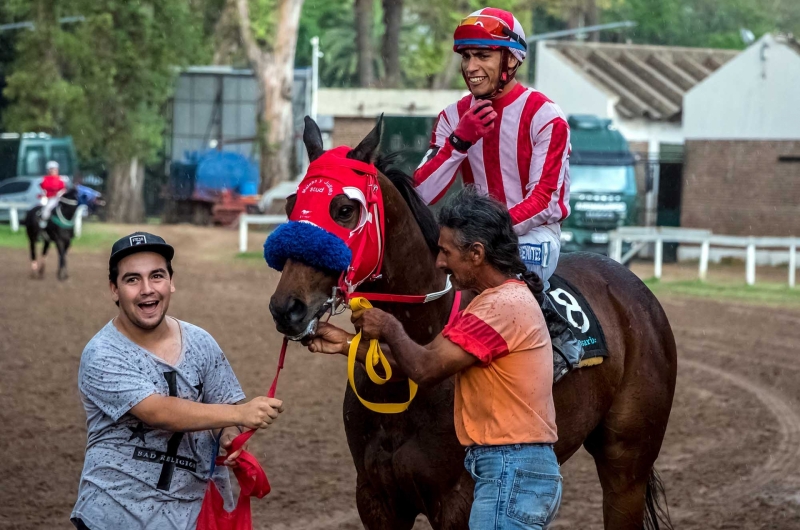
[550, 147]
[476, 337]
[438, 169]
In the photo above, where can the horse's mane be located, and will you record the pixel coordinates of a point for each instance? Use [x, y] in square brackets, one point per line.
[405, 185]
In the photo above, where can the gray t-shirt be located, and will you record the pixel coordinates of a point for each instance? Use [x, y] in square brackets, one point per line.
[134, 475]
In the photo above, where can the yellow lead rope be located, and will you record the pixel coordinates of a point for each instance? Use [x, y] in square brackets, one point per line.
[374, 356]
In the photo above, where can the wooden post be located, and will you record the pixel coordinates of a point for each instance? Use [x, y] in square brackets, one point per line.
[659, 257]
[751, 264]
[13, 217]
[243, 233]
[704, 250]
[792, 263]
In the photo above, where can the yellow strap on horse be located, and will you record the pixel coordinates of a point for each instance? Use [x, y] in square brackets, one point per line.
[374, 356]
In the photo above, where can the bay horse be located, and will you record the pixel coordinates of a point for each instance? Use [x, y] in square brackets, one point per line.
[412, 462]
[59, 231]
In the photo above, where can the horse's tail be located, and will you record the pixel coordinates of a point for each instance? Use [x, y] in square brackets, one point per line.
[656, 511]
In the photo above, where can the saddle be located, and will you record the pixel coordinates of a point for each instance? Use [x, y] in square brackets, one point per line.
[565, 308]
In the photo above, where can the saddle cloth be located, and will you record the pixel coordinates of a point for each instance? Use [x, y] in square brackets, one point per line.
[572, 305]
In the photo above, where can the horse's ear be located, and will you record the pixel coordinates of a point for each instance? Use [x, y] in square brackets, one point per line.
[367, 150]
[312, 137]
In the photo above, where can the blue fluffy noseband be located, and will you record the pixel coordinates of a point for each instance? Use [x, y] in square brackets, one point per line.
[309, 244]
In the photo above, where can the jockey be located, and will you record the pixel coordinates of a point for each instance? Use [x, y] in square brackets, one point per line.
[53, 187]
[510, 142]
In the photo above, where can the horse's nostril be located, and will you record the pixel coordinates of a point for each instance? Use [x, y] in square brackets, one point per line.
[291, 311]
[296, 310]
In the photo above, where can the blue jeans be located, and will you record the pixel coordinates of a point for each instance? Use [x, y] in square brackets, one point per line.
[516, 486]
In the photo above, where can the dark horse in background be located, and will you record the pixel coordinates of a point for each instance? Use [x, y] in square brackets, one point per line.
[59, 231]
[412, 463]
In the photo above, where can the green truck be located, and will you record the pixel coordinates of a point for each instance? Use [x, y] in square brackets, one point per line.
[602, 180]
[603, 193]
[25, 155]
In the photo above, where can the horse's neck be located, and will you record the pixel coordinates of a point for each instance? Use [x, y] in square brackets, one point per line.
[409, 267]
[67, 210]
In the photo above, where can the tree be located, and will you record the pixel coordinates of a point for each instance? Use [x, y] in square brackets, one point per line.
[364, 46]
[269, 38]
[390, 49]
[105, 82]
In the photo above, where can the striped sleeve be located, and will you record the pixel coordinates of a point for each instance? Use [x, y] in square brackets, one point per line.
[550, 137]
[438, 169]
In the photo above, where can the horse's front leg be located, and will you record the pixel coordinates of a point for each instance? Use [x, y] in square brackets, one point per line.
[43, 257]
[62, 246]
[34, 261]
[376, 512]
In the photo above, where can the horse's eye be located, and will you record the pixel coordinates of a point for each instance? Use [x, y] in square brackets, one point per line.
[346, 211]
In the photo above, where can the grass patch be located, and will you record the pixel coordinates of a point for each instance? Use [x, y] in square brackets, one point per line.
[95, 237]
[765, 293]
[248, 256]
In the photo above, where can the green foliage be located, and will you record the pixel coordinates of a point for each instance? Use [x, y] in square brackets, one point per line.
[333, 21]
[104, 81]
[704, 23]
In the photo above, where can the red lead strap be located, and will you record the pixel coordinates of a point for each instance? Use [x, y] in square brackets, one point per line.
[240, 440]
[250, 475]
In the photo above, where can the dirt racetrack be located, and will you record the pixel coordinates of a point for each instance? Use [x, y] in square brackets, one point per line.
[731, 458]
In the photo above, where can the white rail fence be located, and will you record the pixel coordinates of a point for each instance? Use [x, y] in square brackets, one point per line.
[13, 215]
[639, 237]
[246, 219]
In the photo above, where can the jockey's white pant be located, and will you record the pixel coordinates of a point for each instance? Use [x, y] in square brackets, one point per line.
[48, 208]
[539, 250]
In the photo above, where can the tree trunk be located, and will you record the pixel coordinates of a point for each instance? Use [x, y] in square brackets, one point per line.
[226, 34]
[274, 71]
[444, 79]
[126, 192]
[592, 19]
[393, 21]
[276, 144]
[366, 54]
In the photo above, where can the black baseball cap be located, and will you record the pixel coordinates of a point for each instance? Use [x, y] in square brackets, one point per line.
[139, 242]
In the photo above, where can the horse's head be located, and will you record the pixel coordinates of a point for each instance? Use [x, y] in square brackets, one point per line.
[313, 259]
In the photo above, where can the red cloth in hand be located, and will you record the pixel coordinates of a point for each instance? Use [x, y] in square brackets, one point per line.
[252, 482]
[476, 122]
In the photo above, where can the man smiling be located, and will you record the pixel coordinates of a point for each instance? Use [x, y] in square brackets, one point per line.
[510, 142]
[156, 393]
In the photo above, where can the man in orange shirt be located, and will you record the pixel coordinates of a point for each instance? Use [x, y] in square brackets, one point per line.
[500, 352]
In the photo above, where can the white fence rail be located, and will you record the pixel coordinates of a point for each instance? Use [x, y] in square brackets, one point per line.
[641, 236]
[13, 212]
[13, 215]
[245, 220]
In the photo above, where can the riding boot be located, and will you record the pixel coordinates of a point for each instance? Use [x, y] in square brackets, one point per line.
[567, 349]
[42, 223]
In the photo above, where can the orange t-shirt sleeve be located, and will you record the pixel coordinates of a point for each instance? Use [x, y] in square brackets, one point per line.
[476, 337]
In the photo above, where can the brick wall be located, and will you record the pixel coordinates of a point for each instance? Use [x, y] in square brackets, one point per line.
[350, 131]
[738, 187]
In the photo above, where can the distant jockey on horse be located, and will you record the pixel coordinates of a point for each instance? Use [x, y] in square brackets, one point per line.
[54, 187]
[511, 142]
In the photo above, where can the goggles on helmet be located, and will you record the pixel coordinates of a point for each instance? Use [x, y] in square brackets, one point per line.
[486, 31]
